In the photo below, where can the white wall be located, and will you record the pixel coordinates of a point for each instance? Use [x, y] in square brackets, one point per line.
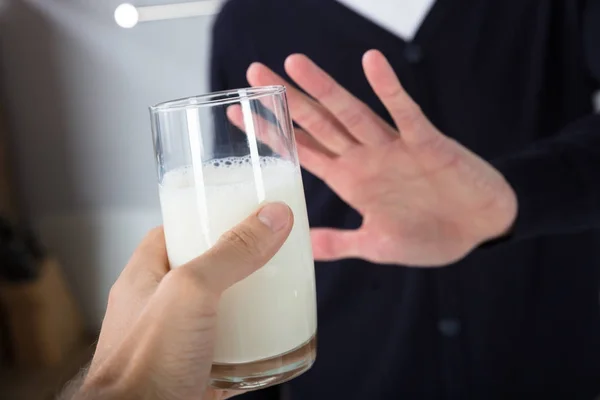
[78, 88]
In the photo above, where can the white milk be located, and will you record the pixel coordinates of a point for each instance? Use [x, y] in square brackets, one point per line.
[273, 311]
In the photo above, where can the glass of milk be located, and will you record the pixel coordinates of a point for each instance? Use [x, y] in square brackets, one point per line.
[219, 157]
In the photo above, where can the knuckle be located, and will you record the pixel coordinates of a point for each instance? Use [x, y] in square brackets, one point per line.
[243, 240]
[190, 283]
[326, 90]
[384, 244]
[352, 117]
[114, 295]
[156, 231]
[153, 235]
[184, 277]
[434, 143]
[441, 147]
[408, 116]
[318, 124]
[416, 109]
[152, 244]
[192, 286]
[440, 152]
[392, 93]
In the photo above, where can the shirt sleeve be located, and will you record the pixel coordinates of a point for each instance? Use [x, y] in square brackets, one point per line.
[591, 38]
[557, 181]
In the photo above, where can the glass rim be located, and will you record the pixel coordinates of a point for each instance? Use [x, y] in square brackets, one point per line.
[222, 97]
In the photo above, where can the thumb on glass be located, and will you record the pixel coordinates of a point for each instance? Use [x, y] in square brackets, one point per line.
[244, 249]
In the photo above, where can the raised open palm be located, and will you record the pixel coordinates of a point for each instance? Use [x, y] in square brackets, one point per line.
[425, 199]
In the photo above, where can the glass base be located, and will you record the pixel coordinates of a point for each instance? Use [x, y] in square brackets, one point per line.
[264, 373]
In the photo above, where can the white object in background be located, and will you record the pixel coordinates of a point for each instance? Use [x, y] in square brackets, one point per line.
[128, 15]
[403, 18]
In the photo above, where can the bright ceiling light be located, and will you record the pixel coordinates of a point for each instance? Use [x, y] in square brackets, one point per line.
[127, 16]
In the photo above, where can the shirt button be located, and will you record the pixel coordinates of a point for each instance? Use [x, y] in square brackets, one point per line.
[413, 53]
[449, 327]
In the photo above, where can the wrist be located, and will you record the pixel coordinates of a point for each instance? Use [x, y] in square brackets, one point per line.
[507, 210]
[93, 389]
[108, 383]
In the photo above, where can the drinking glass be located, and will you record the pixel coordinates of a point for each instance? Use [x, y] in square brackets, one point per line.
[219, 157]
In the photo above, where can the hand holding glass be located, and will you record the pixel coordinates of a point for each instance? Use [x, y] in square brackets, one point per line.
[212, 174]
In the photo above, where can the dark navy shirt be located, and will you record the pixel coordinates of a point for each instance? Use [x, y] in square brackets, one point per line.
[512, 80]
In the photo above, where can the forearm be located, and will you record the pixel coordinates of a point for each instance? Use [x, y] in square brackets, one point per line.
[556, 182]
[72, 388]
[81, 393]
[84, 387]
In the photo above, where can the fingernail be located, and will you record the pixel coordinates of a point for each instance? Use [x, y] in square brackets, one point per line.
[275, 216]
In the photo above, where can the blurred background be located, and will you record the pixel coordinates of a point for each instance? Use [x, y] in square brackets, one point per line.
[78, 159]
[77, 172]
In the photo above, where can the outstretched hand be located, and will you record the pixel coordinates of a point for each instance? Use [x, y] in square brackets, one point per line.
[425, 199]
